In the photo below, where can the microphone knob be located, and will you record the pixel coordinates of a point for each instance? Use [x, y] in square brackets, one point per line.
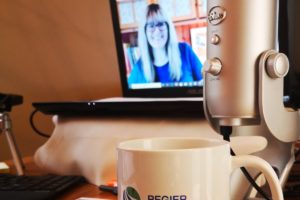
[213, 66]
[277, 65]
[215, 39]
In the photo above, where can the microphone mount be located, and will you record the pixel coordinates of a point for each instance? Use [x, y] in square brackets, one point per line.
[7, 101]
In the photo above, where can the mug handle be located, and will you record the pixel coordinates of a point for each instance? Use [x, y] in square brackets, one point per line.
[264, 167]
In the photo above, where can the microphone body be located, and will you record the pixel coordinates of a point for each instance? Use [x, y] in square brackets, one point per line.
[239, 31]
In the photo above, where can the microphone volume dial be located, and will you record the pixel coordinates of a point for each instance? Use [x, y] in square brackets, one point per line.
[213, 66]
[277, 65]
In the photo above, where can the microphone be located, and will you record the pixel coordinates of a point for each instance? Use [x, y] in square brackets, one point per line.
[243, 78]
[238, 31]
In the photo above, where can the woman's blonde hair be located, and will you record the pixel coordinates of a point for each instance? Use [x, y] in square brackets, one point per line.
[172, 48]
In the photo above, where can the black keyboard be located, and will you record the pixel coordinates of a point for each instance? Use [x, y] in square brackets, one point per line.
[35, 187]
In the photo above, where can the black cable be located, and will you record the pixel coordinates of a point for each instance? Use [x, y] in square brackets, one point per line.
[226, 132]
[111, 189]
[33, 126]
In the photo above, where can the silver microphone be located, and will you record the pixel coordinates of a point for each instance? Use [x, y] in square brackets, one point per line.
[239, 31]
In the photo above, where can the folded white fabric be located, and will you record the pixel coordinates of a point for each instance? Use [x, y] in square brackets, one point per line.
[87, 146]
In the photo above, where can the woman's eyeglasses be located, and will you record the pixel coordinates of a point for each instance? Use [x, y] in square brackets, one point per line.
[151, 26]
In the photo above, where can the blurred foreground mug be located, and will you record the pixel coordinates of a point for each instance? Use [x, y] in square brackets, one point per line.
[182, 169]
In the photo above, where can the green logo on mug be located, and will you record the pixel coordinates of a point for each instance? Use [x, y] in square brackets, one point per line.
[131, 194]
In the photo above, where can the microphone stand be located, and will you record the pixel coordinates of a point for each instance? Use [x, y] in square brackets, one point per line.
[6, 128]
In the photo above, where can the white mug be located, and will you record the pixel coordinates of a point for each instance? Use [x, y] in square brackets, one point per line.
[182, 169]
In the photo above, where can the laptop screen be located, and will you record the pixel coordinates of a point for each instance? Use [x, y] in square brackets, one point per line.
[161, 46]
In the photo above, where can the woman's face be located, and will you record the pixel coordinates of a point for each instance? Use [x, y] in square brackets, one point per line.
[156, 31]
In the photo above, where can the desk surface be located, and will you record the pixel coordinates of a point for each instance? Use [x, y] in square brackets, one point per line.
[84, 190]
[92, 191]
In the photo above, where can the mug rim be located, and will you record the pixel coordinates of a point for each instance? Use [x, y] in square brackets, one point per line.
[123, 146]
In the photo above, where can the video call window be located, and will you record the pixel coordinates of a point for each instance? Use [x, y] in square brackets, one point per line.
[164, 42]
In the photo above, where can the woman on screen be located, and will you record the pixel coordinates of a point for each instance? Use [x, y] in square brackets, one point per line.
[163, 58]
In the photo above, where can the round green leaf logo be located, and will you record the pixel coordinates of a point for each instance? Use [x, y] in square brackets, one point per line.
[131, 194]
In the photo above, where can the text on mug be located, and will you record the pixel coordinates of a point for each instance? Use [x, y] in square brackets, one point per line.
[164, 197]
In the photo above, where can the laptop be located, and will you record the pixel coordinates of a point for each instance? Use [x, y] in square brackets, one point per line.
[164, 92]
